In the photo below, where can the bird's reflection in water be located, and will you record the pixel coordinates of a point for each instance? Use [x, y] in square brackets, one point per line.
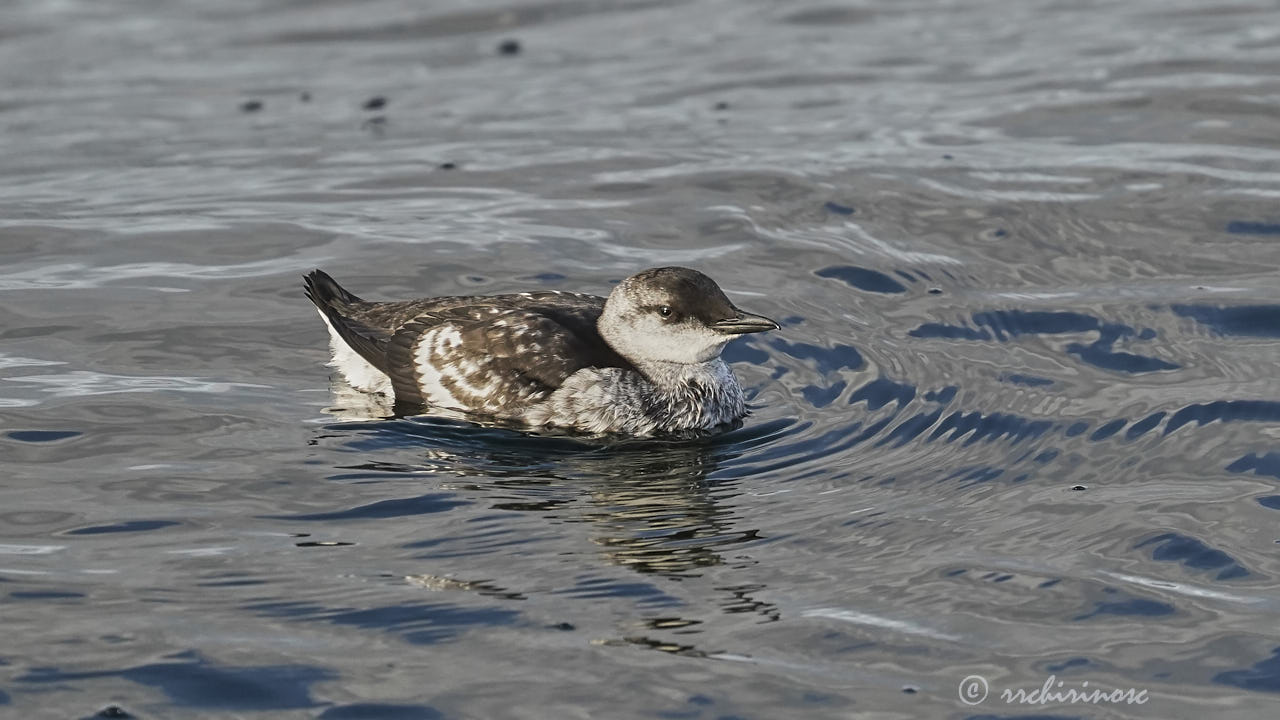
[652, 505]
[653, 509]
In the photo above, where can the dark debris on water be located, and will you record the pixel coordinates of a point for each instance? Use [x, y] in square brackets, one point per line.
[111, 712]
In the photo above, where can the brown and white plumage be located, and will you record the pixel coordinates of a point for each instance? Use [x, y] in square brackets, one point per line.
[550, 358]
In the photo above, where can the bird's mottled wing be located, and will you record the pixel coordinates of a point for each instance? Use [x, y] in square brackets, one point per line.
[391, 316]
[495, 353]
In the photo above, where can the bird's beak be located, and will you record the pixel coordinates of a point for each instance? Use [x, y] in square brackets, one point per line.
[744, 323]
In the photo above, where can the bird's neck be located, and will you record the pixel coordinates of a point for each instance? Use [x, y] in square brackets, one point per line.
[693, 395]
[675, 378]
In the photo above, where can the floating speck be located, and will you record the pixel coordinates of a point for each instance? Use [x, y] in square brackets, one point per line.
[509, 47]
[376, 102]
[250, 106]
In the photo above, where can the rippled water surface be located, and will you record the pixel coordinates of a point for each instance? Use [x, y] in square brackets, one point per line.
[1022, 420]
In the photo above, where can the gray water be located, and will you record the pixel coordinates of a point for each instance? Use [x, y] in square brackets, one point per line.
[1022, 419]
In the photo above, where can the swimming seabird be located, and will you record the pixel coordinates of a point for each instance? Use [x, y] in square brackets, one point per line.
[644, 361]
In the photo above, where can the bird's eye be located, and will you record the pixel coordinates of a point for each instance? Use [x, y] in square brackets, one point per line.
[665, 311]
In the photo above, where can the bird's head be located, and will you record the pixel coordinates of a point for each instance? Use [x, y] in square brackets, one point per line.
[673, 315]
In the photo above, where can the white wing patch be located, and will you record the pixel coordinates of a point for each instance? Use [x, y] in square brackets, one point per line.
[480, 367]
[435, 345]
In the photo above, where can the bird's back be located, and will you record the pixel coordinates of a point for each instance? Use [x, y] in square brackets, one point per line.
[494, 354]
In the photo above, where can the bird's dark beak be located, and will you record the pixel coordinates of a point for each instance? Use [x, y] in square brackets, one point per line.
[744, 323]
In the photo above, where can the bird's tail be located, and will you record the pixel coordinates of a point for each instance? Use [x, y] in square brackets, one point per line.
[325, 292]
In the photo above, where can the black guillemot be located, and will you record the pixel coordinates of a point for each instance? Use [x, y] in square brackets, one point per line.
[644, 361]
